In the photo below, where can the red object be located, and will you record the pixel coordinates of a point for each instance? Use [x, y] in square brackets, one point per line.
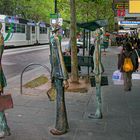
[6, 102]
[107, 34]
[121, 12]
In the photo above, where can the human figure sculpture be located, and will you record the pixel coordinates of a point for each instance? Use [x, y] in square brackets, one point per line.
[59, 76]
[4, 129]
[98, 70]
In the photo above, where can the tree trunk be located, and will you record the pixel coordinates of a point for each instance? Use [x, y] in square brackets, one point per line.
[74, 59]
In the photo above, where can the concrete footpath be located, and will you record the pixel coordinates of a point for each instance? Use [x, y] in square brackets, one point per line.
[33, 114]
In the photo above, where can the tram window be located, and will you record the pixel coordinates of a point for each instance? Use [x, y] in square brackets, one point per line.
[33, 29]
[7, 27]
[20, 28]
[46, 30]
[23, 28]
[43, 30]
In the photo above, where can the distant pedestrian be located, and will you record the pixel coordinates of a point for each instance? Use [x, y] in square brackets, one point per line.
[63, 34]
[4, 129]
[67, 51]
[127, 52]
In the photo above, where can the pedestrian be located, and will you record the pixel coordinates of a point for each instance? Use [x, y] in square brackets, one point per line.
[63, 34]
[59, 76]
[4, 129]
[68, 52]
[127, 52]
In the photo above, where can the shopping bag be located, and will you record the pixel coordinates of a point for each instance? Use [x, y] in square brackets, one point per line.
[117, 78]
[117, 75]
[51, 93]
[104, 81]
[6, 102]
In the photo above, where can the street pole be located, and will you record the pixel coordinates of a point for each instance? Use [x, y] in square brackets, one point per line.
[55, 6]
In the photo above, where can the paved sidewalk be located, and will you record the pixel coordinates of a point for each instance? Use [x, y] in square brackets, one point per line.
[33, 114]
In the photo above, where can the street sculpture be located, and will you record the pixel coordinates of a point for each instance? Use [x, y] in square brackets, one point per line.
[4, 129]
[98, 70]
[59, 77]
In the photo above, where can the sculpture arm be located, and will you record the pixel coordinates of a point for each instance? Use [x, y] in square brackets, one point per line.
[98, 66]
[1, 45]
[63, 68]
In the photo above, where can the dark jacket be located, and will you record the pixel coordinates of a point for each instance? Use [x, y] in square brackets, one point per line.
[91, 50]
[131, 55]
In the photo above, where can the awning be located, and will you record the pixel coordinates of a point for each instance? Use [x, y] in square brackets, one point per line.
[92, 25]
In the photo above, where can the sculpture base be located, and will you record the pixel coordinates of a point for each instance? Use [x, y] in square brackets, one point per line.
[94, 116]
[57, 132]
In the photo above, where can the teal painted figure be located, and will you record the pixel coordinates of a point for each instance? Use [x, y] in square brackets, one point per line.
[4, 129]
[59, 76]
[105, 40]
[98, 70]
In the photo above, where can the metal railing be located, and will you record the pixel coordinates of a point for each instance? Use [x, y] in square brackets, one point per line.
[21, 77]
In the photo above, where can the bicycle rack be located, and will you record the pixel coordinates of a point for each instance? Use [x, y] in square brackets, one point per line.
[26, 68]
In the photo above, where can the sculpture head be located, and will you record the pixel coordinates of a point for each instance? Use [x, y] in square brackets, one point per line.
[55, 28]
[102, 30]
[98, 32]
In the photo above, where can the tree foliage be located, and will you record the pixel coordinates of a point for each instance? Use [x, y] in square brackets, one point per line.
[86, 10]
[40, 10]
[89, 10]
[30, 9]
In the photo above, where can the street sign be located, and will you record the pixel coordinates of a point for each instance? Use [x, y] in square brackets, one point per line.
[60, 21]
[129, 22]
[127, 14]
[134, 6]
[55, 19]
[121, 5]
[54, 15]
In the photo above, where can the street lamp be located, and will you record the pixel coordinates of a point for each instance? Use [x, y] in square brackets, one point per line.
[55, 6]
